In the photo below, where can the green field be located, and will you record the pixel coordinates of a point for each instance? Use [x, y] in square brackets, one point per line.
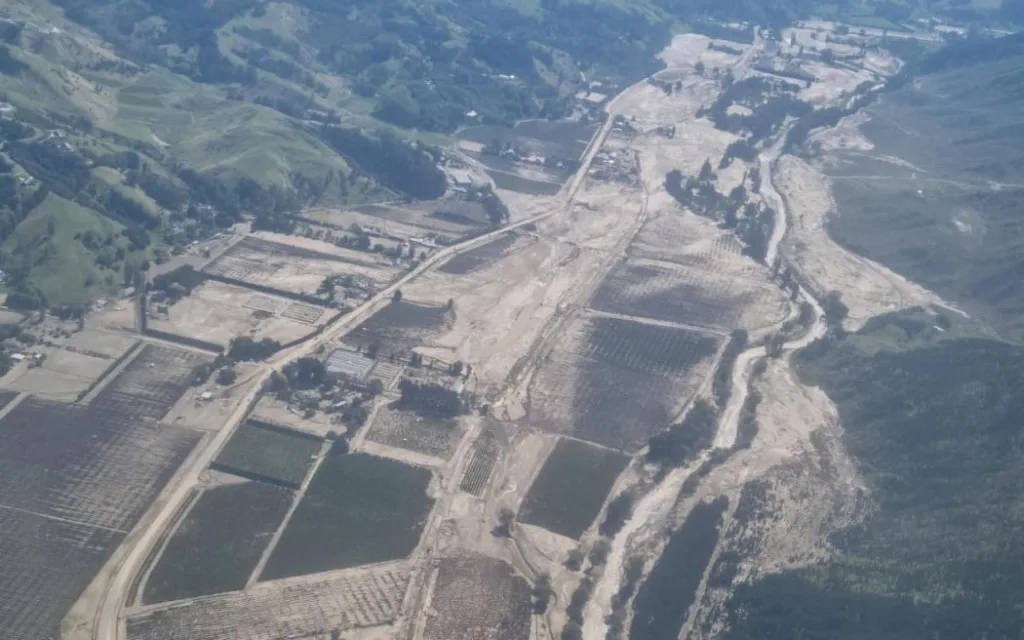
[664, 598]
[571, 487]
[358, 510]
[220, 541]
[267, 453]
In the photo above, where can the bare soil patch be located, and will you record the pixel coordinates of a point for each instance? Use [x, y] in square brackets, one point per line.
[481, 256]
[401, 326]
[296, 264]
[217, 312]
[867, 288]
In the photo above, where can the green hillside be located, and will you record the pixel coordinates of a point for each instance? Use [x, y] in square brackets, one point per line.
[949, 215]
[146, 112]
[59, 244]
[934, 426]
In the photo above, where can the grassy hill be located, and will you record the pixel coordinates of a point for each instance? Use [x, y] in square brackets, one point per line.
[48, 244]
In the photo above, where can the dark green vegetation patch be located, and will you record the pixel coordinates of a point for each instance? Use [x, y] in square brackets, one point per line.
[664, 599]
[400, 326]
[935, 428]
[268, 454]
[220, 541]
[571, 487]
[358, 510]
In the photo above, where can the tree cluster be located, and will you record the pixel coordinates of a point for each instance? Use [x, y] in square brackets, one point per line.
[177, 283]
[244, 348]
[721, 383]
[617, 513]
[430, 400]
[408, 168]
[682, 442]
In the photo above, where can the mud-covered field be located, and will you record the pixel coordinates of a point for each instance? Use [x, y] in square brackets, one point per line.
[618, 382]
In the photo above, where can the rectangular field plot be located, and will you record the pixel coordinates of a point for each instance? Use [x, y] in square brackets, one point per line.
[151, 383]
[686, 295]
[519, 184]
[358, 510]
[293, 267]
[217, 312]
[294, 609]
[481, 256]
[74, 479]
[62, 375]
[571, 487]
[387, 372]
[402, 325]
[91, 466]
[618, 382]
[476, 597]
[406, 430]
[219, 543]
[45, 565]
[564, 138]
[481, 464]
[273, 455]
[694, 242]
[263, 302]
[302, 312]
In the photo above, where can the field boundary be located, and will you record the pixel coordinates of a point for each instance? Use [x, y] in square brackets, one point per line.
[127, 355]
[252, 475]
[300, 494]
[262, 288]
[282, 429]
[184, 341]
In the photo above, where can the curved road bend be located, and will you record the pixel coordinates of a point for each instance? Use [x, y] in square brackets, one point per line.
[108, 617]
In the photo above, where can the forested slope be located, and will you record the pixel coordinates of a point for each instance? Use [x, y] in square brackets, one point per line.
[934, 424]
[947, 212]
